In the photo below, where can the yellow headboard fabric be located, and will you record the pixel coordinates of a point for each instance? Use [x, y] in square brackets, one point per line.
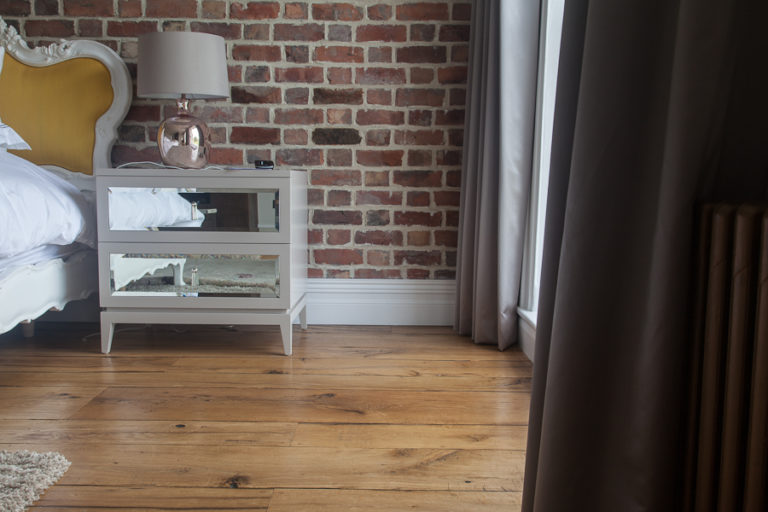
[66, 100]
[55, 109]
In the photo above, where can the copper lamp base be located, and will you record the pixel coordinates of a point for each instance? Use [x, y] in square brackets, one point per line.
[184, 140]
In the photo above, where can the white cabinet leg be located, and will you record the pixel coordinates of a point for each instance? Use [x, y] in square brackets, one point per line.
[303, 318]
[107, 332]
[286, 331]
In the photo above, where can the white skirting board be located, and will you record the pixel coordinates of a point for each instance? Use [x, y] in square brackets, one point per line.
[526, 327]
[380, 302]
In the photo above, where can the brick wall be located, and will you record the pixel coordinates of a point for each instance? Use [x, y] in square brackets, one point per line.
[368, 96]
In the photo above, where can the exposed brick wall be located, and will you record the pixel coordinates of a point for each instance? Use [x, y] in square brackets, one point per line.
[368, 96]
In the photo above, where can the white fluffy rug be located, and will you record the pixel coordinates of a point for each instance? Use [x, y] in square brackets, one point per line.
[25, 475]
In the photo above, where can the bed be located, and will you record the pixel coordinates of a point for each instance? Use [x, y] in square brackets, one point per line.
[66, 102]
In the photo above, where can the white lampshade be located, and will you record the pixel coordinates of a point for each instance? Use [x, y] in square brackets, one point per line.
[176, 63]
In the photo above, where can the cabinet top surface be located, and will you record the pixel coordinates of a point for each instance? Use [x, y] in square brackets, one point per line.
[196, 173]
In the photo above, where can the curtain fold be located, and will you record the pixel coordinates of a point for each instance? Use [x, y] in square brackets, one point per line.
[496, 169]
[649, 94]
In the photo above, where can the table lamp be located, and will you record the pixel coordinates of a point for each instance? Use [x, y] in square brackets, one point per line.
[183, 66]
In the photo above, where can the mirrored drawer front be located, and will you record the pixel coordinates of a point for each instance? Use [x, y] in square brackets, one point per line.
[167, 211]
[187, 277]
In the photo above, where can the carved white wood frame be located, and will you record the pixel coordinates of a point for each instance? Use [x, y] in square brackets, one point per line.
[107, 124]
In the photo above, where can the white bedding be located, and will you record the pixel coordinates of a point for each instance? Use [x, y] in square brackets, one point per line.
[39, 208]
[37, 255]
[143, 208]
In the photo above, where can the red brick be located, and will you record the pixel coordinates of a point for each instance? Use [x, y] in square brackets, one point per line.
[225, 30]
[422, 11]
[418, 199]
[379, 12]
[302, 116]
[253, 94]
[379, 237]
[257, 74]
[315, 236]
[300, 157]
[322, 96]
[379, 97]
[49, 28]
[452, 75]
[338, 256]
[376, 76]
[219, 114]
[419, 158]
[380, 54]
[296, 11]
[376, 178]
[450, 117]
[339, 198]
[420, 117]
[298, 54]
[339, 157]
[447, 198]
[448, 157]
[337, 12]
[453, 178]
[454, 33]
[214, 9]
[335, 178]
[339, 236]
[460, 53]
[377, 218]
[339, 76]
[369, 197]
[334, 273]
[128, 8]
[422, 54]
[377, 258]
[226, 156]
[143, 113]
[423, 258]
[172, 8]
[418, 178]
[390, 158]
[123, 154]
[256, 31]
[89, 28]
[458, 97]
[411, 218]
[419, 137]
[452, 218]
[377, 137]
[16, 7]
[337, 217]
[88, 8]
[339, 116]
[339, 54]
[297, 96]
[372, 273]
[388, 33]
[456, 137]
[257, 115]
[462, 12]
[420, 97]
[342, 33]
[368, 117]
[314, 273]
[446, 238]
[234, 73]
[306, 32]
[257, 52]
[417, 273]
[254, 135]
[422, 32]
[254, 10]
[445, 274]
[450, 258]
[311, 74]
[296, 137]
[422, 75]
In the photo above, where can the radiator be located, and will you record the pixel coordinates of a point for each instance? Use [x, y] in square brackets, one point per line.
[728, 429]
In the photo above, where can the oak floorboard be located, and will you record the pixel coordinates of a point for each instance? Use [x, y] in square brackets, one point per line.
[212, 418]
[325, 500]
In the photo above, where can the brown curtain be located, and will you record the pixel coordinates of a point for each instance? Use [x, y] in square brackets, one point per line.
[660, 104]
[496, 170]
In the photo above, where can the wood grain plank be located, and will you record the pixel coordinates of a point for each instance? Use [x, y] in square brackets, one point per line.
[119, 433]
[290, 467]
[324, 500]
[301, 405]
[44, 402]
[485, 437]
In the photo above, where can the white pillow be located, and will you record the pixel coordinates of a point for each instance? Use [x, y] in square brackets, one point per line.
[9, 139]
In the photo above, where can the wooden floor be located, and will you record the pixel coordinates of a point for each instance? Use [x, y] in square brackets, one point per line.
[206, 418]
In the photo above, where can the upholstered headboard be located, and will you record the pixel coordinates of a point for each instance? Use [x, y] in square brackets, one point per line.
[66, 100]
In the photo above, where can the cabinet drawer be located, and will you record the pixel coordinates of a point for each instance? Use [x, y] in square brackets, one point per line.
[193, 209]
[200, 275]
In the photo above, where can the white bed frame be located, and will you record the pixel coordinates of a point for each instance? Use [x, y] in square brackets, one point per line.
[28, 292]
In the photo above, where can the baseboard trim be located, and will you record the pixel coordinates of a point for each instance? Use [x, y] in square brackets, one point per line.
[380, 302]
[527, 331]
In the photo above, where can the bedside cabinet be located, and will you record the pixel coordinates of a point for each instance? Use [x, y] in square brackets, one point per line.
[202, 247]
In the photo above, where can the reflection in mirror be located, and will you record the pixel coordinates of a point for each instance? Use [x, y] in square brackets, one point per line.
[193, 209]
[194, 275]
